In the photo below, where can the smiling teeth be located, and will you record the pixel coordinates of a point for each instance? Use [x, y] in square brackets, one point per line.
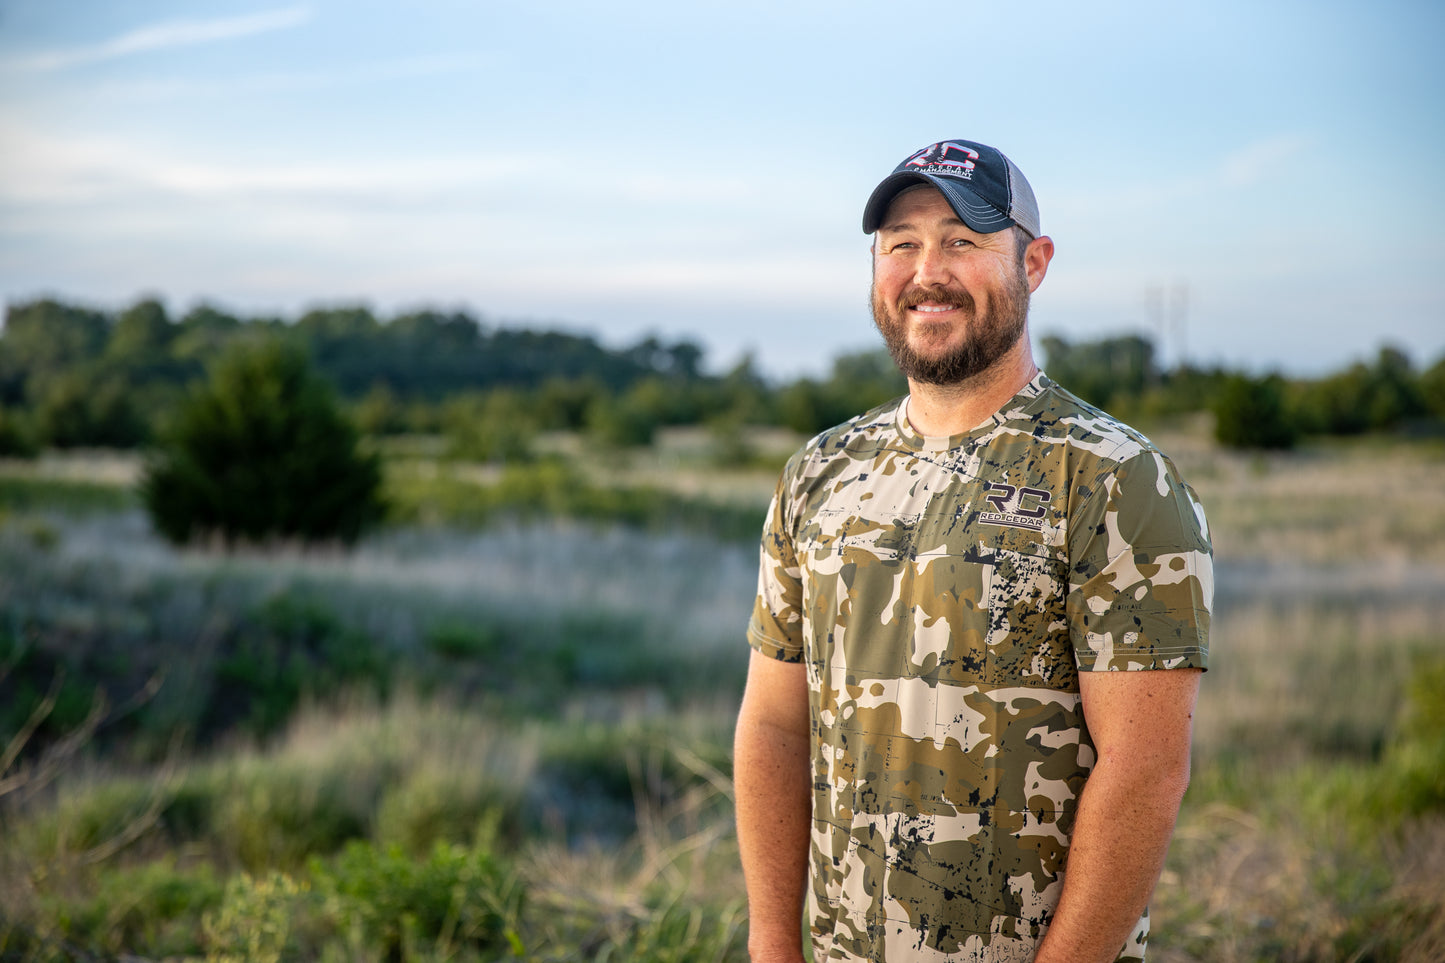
[931, 309]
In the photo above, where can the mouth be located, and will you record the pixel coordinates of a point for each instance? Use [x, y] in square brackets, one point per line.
[924, 304]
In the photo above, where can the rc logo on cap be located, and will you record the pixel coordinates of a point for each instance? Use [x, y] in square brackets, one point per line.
[984, 188]
[945, 158]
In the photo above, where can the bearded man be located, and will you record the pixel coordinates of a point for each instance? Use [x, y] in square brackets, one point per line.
[981, 622]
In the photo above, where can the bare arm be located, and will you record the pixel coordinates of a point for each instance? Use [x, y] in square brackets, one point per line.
[1141, 723]
[771, 757]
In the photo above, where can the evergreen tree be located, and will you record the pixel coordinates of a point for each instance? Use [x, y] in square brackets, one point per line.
[262, 451]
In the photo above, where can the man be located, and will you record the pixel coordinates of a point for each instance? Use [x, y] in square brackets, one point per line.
[944, 742]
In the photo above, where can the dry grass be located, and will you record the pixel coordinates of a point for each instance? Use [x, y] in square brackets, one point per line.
[1373, 500]
[1331, 583]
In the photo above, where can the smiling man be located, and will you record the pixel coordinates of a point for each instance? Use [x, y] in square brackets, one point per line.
[982, 617]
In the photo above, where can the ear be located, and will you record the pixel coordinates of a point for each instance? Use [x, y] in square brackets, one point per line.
[1036, 260]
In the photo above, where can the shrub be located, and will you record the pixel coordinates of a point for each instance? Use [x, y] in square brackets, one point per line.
[257, 920]
[494, 427]
[17, 439]
[291, 647]
[1251, 413]
[388, 903]
[84, 408]
[152, 909]
[262, 451]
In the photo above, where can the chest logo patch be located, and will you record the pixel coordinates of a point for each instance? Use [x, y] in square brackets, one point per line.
[1015, 507]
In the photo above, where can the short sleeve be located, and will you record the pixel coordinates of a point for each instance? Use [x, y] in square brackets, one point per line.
[1141, 582]
[776, 626]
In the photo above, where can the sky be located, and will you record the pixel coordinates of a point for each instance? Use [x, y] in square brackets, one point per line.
[1249, 184]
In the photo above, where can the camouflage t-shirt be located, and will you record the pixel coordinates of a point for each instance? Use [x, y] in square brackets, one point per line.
[944, 594]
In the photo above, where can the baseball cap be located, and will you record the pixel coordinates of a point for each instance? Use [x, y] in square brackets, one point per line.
[984, 188]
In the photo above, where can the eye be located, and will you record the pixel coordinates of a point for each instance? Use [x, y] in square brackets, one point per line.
[961, 242]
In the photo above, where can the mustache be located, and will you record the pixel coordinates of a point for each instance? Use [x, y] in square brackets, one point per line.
[953, 297]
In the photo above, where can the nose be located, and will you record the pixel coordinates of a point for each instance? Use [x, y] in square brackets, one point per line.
[930, 269]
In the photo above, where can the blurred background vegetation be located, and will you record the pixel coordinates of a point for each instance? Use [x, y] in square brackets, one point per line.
[76, 377]
[421, 639]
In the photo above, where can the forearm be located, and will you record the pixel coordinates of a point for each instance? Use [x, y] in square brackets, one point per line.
[1121, 834]
[774, 815]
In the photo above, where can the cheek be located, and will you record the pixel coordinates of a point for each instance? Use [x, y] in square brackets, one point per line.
[889, 280]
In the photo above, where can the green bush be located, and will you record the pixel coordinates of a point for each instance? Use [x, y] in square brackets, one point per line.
[17, 435]
[258, 920]
[1252, 413]
[388, 905]
[625, 422]
[1415, 761]
[290, 648]
[262, 451]
[494, 427]
[154, 909]
[85, 408]
[462, 641]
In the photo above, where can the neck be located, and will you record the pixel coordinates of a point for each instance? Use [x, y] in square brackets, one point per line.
[942, 410]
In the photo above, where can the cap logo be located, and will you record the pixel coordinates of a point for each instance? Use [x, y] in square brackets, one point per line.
[945, 158]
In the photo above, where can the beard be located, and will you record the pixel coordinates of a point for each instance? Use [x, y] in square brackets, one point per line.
[987, 337]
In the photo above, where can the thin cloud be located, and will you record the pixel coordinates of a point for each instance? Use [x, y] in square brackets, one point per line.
[1262, 159]
[164, 36]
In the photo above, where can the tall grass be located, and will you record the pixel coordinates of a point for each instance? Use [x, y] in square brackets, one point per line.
[511, 742]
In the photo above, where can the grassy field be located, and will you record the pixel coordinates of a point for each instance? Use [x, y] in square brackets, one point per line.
[475, 738]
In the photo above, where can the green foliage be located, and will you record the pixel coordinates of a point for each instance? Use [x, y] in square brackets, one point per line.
[17, 436]
[61, 495]
[372, 903]
[29, 676]
[392, 905]
[498, 426]
[76, 408]
[290, 647]
[153, 909]
[1432, 389]
[380, 412]
[204, 333]
[257, 920]
[280, 816]
[563, 403]
[1108, 373]
[142, 335]
[858, 382]
[261, 452]
[460, 641]
[674, 931]
[46, 335]
[555, 489]
[1365, 397]
[431, 807]
[625, 422]
[1415, 761]
[74, 376]
[1252, 413]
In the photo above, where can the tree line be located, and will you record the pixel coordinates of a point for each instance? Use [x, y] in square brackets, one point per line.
[73, 376]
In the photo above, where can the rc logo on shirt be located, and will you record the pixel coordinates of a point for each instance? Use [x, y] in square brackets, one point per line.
[1015, 507]
[945, 158]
